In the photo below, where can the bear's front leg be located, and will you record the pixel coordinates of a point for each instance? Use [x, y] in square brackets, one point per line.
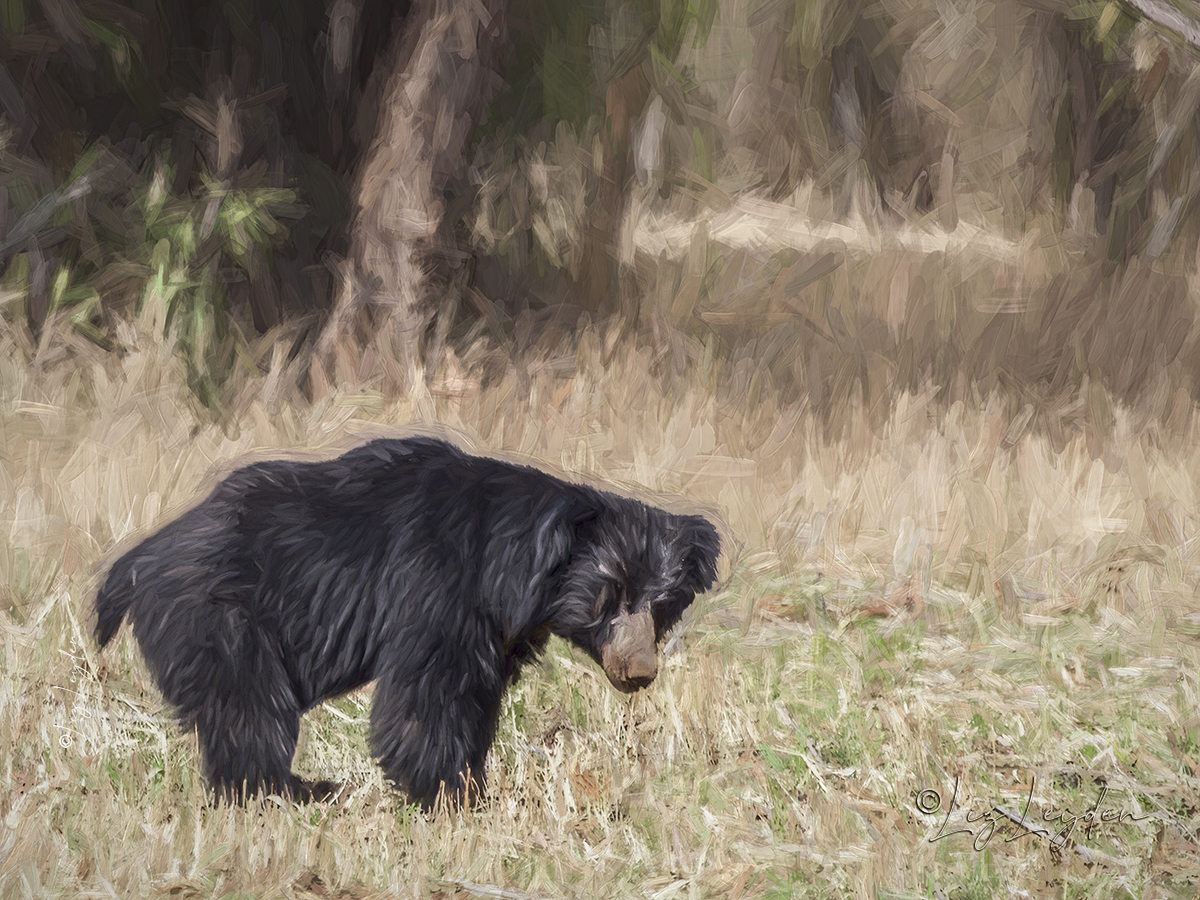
[434, 727]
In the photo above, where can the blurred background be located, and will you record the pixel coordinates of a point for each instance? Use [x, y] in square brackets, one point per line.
[902, 293]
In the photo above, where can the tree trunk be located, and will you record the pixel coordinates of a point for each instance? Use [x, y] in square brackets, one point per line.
[420, 108]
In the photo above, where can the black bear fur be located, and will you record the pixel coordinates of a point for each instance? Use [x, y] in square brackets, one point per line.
[432, 572]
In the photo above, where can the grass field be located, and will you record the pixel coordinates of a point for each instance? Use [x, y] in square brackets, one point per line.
[930, 596]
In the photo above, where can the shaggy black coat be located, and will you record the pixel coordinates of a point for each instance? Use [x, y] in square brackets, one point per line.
[407, 562]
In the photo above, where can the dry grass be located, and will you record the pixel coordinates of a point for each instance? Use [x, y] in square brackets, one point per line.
[953, 588]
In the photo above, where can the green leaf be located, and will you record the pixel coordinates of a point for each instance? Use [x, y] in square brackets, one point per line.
[13, 13]
[772, 758]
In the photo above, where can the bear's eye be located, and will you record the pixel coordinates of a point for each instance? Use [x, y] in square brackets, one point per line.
[605, 600]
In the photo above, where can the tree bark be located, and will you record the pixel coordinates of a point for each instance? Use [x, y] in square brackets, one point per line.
[420, 108]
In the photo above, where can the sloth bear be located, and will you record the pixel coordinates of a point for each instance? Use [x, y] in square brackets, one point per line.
[408, 562]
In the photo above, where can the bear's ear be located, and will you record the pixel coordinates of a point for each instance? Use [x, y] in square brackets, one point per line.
[699, 545]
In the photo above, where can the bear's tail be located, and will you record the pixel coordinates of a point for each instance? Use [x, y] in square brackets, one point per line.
[114, 599]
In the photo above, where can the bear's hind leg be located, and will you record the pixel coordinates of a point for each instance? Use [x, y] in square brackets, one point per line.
[246, 748]
[227, 678]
